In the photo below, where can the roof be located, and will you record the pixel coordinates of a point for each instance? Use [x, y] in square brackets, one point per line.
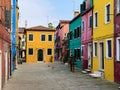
[41, 28]
[21, 30]
[64, 21]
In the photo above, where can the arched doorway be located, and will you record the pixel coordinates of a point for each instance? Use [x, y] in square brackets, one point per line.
[40, 55]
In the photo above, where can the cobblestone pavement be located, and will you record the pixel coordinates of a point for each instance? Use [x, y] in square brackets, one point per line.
[57, 76]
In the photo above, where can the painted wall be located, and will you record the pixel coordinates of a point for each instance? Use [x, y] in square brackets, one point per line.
[13, 36]
[63, 33]
[116, 33]
[86, 36]
[4, 43]
[75, 43]
[36, 44]
[101, 34]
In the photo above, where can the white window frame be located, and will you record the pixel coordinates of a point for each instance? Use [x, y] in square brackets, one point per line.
[94, 49]
[106, 22]
[95, 19]
[118, 6]
[117, 49]
[107, 48]
[41, 38]
[28, 52]
[51, 51]
[89, 21]
[48, 38]
[28, 37]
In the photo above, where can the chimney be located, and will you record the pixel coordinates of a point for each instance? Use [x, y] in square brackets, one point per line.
[76, 13]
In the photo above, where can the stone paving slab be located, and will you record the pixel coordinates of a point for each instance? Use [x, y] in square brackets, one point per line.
[56, 76]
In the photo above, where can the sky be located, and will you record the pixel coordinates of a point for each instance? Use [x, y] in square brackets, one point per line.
[41, 12]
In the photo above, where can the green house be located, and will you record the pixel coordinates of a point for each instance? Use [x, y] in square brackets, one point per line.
[75, 39]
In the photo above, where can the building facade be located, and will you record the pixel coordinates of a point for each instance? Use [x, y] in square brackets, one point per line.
[61, 34]
[103, 38]
[22, 44]
[5, 42]
[75, 39]
[117, 39]
[13, 33]
[39, 44]
[86, 31]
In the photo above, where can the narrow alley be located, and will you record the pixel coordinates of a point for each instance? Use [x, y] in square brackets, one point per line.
[56, 76]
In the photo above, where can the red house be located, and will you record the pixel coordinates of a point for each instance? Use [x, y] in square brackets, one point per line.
[5, 41]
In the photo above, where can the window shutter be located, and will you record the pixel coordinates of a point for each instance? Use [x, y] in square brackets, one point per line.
[7, 18]
[90, 21]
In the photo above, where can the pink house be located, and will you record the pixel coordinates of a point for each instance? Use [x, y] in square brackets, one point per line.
[62, 31]
[86, 34]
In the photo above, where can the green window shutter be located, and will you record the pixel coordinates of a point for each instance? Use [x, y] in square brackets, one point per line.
[7, 18]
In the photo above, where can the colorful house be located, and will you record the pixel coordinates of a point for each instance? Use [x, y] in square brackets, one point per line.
[61, 34]
[5, 42]
[103, 38]
[75, 38]
[22, 43]
[86, 34]
[117, 40]
[13, 33]
[39, 44]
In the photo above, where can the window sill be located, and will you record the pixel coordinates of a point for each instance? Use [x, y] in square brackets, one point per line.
[95, 56]
[95, 27]
[101, 70]
[118, 13]
[107, 22]
[118, 61]
[109, 58]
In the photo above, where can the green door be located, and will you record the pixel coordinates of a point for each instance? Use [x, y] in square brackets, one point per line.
[40, 55]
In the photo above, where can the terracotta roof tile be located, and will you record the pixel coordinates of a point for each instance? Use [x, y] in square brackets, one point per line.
[40, 28]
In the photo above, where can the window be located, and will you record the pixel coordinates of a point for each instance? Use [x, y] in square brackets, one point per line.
[30, 51]
[22, 36]
[90, 21]
[22, 44]
[78, 32]
[107, 13]
[49, 37]
[75, 33]
[71, 35]
[82, 27]
[95, 49]
[109, 49]
[118, 49]
[42, 37]
[82, 50]
[49, 51]
[118, 6]
[95, 19]
[77, 53]
[30, 37]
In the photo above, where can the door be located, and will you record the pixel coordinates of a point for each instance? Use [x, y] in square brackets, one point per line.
[89, 55]
[0, 70]
[101, 56]
[6, 64]
[40, 55]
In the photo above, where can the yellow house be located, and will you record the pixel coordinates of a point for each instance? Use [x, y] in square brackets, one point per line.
[39, 44]
[103, 38]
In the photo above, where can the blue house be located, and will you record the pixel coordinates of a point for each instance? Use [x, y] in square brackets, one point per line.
[13, 34]
[75, 39]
